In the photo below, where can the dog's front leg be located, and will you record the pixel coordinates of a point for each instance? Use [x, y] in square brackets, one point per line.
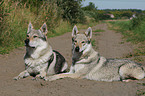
[60, 76]
[22, 75]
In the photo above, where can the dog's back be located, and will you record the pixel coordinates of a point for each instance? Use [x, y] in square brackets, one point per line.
[115, 70]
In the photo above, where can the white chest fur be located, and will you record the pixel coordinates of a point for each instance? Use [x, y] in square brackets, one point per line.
[37, 68]
[37, 64]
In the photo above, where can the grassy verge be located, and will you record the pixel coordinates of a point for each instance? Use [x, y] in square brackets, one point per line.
[16, 39]
[99, 30]
[61, 29]
[141, 92]
[132, 33]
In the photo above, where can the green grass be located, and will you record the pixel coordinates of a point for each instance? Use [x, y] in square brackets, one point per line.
[140, 92]
[134, 35]
[85, 26]
[99, 30]
[93, 42]
[61, 29]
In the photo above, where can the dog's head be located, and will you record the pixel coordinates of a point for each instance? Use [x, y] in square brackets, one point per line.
[81, 41]
[36, 38]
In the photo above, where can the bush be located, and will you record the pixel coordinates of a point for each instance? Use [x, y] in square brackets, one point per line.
[136, 22]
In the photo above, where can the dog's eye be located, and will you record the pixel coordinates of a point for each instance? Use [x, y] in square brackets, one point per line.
[35, 36]
[75, 41]
[83, 41]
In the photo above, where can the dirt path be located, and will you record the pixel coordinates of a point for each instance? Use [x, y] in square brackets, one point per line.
[108, 44]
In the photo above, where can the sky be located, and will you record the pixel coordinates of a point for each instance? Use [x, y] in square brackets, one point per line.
[117, 4]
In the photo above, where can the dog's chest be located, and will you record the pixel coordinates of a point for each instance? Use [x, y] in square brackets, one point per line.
[34, 67]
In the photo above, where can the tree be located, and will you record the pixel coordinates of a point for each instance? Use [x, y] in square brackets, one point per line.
[90, 7]
[72, 10]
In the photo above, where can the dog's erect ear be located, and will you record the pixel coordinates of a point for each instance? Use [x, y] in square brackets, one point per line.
[74, 31]
[44, 28]
[88, 33]
[30, 27]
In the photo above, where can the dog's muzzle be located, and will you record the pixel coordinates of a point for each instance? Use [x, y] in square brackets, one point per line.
[27, 42]
[77, 49]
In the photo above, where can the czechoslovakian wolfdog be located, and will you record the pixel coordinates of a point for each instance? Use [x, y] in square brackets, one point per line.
[88, 64]
[40, 59]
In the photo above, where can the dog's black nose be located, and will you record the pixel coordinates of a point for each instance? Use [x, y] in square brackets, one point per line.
[26, 41]
[77, 49]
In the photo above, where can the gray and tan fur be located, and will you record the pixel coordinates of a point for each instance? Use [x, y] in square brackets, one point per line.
[40, 59]
[88, 64]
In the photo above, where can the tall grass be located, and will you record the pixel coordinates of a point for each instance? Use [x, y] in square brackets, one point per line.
[15, 17]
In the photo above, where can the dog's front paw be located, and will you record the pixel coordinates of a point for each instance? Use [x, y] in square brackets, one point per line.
[45, 78]
[40, 76]
[16, 78]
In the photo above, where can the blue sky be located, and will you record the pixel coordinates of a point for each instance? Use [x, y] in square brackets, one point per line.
[117, 4]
